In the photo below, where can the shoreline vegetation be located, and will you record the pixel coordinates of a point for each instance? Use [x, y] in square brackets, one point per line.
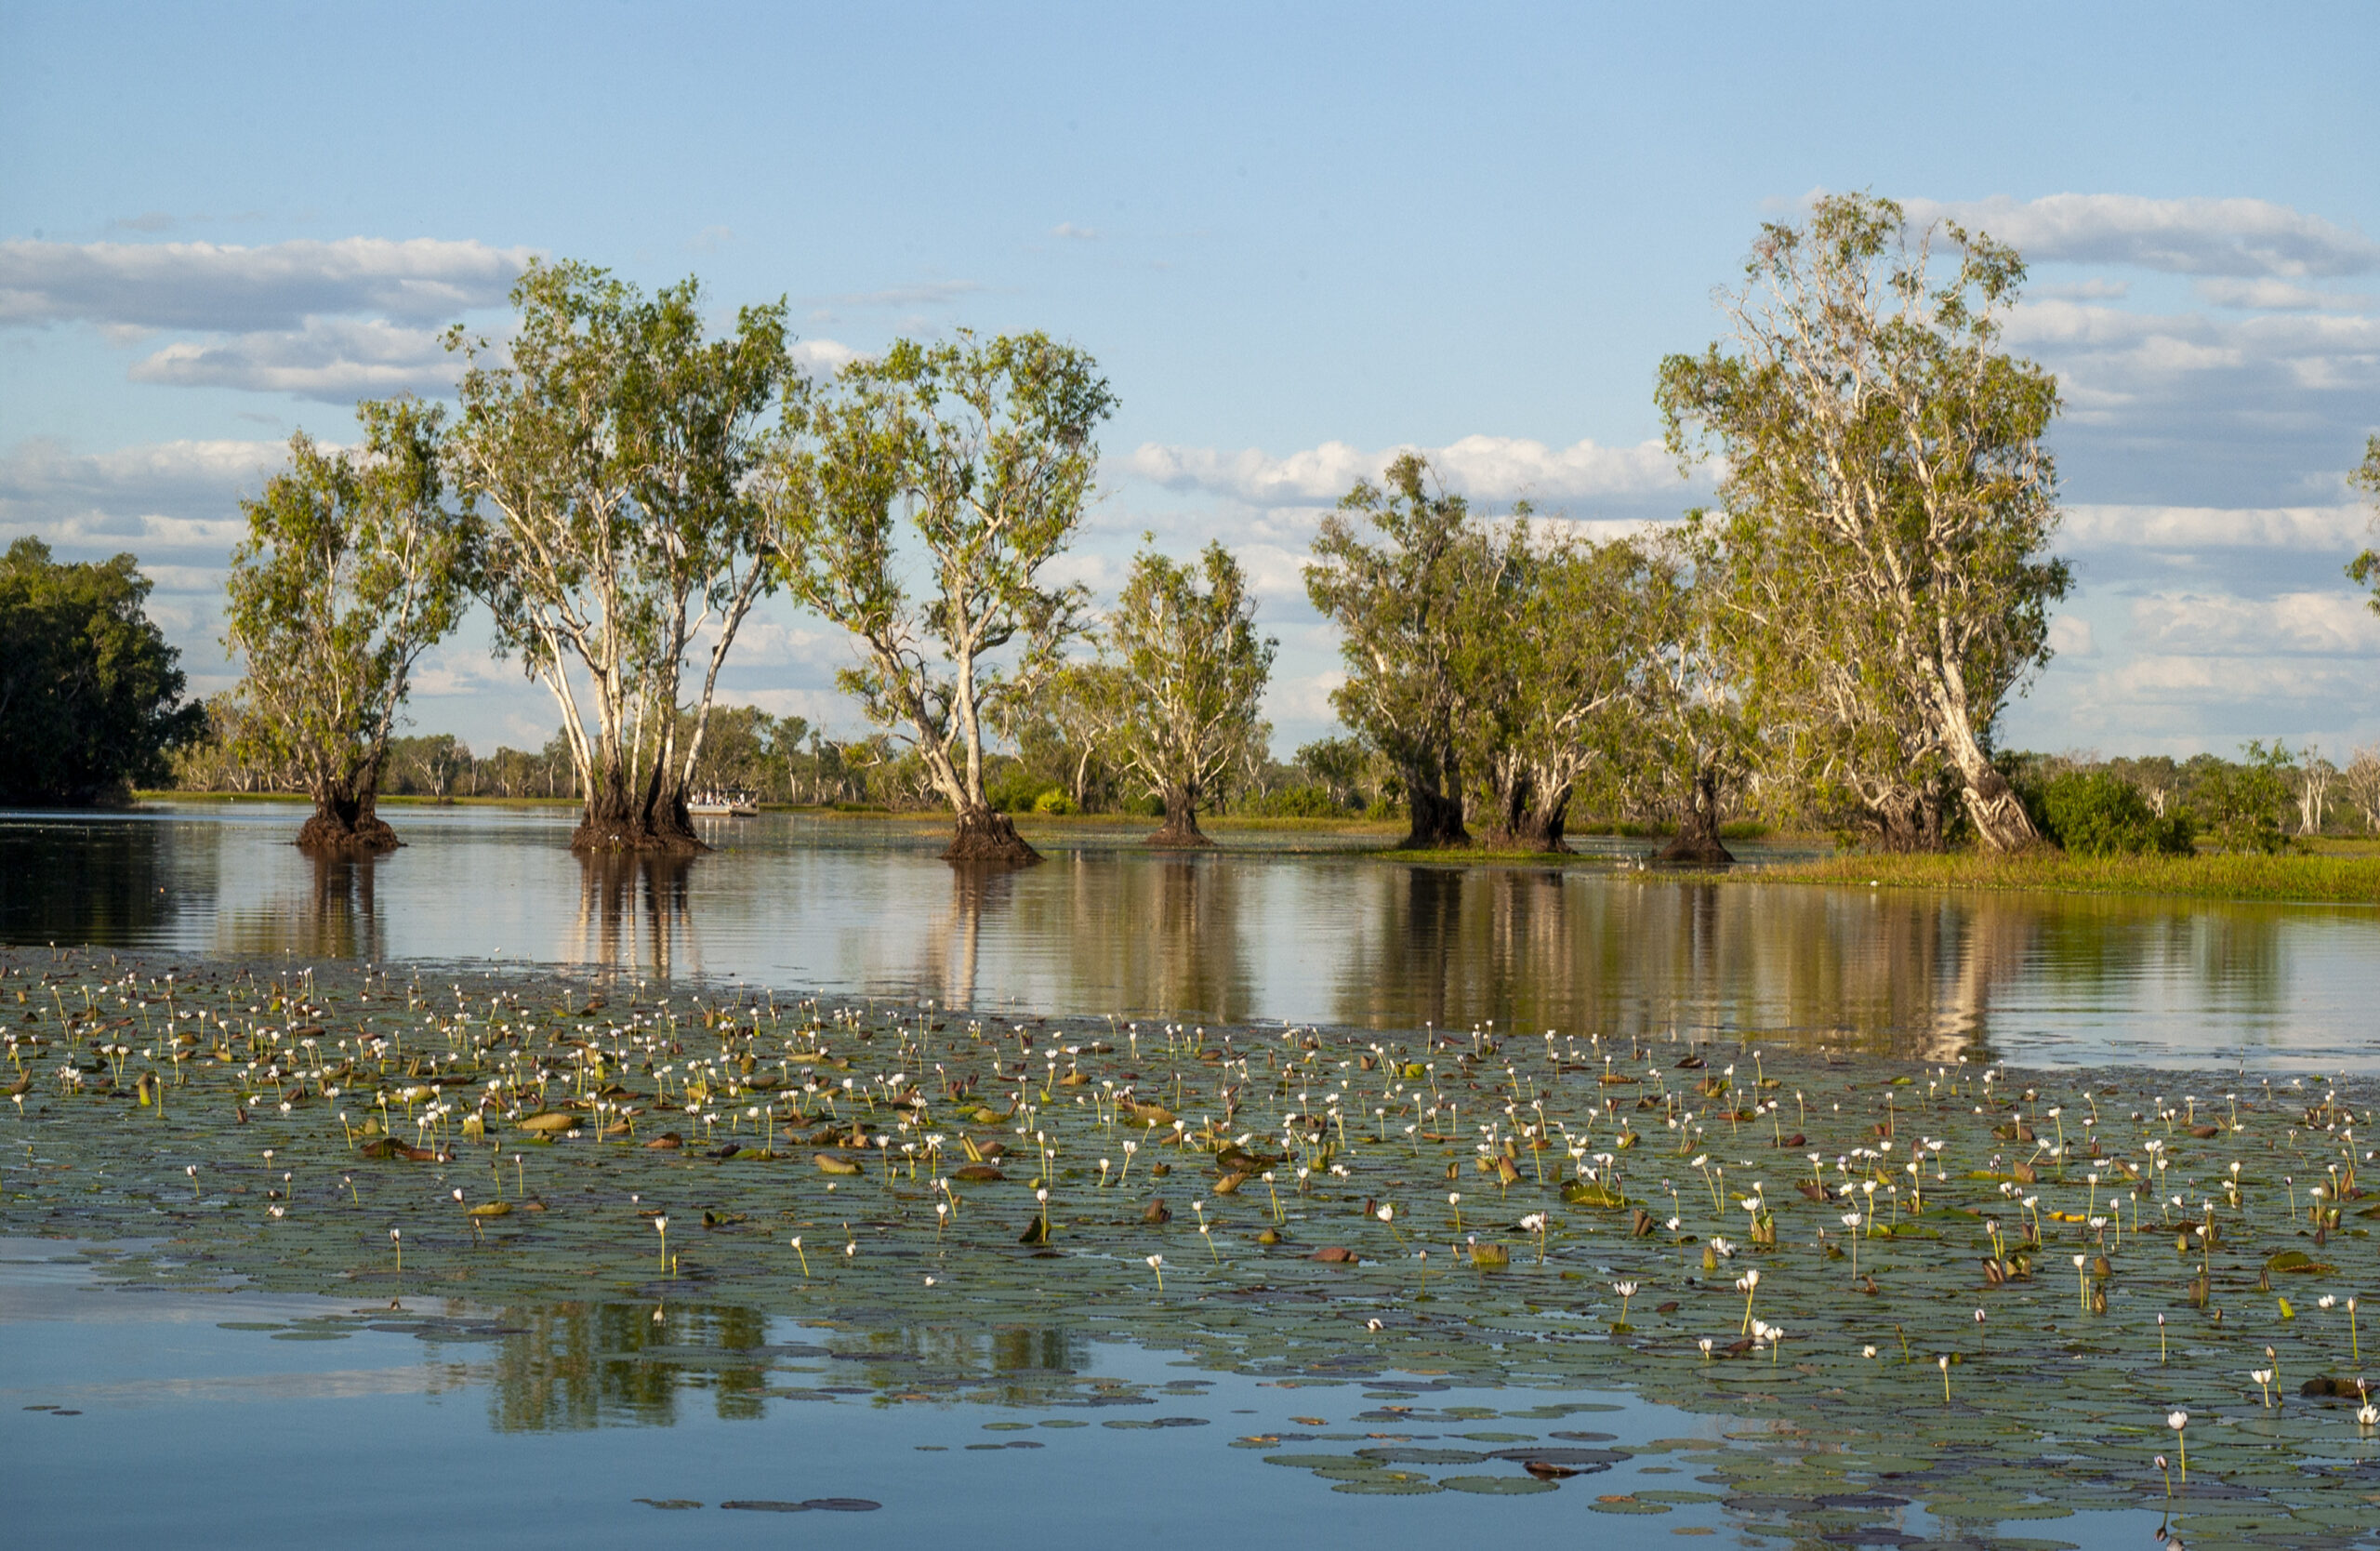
[2334, 872]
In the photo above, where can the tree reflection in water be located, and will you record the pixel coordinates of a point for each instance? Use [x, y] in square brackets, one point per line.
[633, 912]
[569, 1366]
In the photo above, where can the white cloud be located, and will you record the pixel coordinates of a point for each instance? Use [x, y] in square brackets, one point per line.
[2313, 528]
[2248, 369]
[2330, 623]
[1485, 468]
[1078, 234]
[2183, 236]
[2072, 636]
[204, 286]
[334, 359]
[825, 355]
[2280, 295]
[170, 496]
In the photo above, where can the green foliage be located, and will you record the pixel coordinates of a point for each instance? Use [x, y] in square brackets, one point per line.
[2099, 814]
[90, 698]
[2365, 569]
[353, 566]
[1299, 802]
[1054, 800]
[1405, 605]
[1180, 682]
[1888, 501]
[2245, 806]
[1011, 788]
[985, 448]
[615, 452]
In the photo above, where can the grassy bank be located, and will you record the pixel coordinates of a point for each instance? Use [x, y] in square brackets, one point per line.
[2342, 878]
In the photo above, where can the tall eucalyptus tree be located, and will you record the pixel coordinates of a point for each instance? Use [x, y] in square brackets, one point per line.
[1887, 503]
[613, 448]
[939, 484]
[353, 567]
[1405, 605]
[1184, 674]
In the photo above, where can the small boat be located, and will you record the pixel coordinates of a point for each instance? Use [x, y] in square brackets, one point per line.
[723, 804]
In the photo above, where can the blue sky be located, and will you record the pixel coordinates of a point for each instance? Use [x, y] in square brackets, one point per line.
[1296, 238]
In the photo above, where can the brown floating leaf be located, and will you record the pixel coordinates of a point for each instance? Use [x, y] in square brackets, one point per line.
[1334, 1254]
[666, 1140]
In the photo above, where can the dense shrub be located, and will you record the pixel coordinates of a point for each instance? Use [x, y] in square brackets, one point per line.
[1054, 800]
[2095, 813]
[1304, 801]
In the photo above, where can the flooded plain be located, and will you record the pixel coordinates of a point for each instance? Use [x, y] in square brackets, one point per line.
[1273, 925]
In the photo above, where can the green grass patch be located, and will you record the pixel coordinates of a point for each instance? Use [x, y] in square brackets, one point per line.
[2328, 879]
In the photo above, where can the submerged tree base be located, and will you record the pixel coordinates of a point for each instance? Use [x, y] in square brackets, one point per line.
[1696, 851]
[1179, 835]
[989, 837]
[625, 837]
[329, 834]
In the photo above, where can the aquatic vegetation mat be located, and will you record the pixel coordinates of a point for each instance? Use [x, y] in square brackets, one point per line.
[1993, 1296]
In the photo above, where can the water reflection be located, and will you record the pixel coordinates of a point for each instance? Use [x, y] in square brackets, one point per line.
[1241, 934]
[570, 1366]
[633, 912]
[73, 878]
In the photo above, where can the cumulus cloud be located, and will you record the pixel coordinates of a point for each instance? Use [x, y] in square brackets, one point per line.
[2241, 384]
[2243, 237]
[2280, 296]
[170, 496]
[823, 355]
[2321, 529]
[2330, 623]
[334, 359]
[205, 287]
[1484, 468]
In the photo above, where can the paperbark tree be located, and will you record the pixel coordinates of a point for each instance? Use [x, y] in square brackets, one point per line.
[354, 566]
[1403, 607]
[1546, 659]
[2361, 781]
[1689, 741]
[1888, 505]
[1184, 671]
[2315, 775]
[986, 449]
[613, 448]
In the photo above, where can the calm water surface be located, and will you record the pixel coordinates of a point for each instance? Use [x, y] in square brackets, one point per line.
[1272, 926]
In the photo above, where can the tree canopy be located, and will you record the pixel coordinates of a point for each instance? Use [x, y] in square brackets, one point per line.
[942, 480]
[2365, 567]
[611, 448]
[1406, 603]
[1886, 504]
[90, 696]
[1182, 681]
[353, 567]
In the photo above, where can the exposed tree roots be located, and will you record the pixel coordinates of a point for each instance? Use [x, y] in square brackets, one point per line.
[988, 837]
